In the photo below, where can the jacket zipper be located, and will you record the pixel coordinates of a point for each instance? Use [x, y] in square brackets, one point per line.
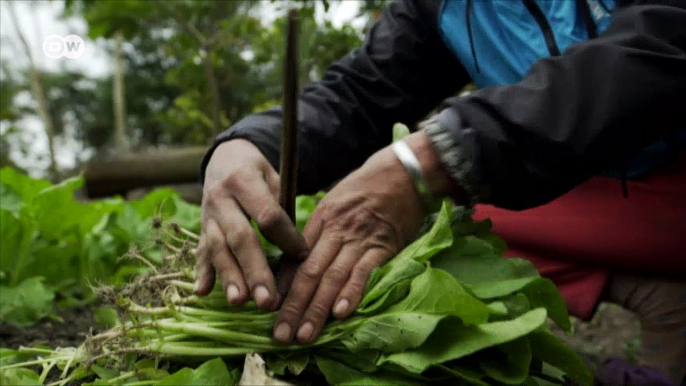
[585, 10]
[540, 18]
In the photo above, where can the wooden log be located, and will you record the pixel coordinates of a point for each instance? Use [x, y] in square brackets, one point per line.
[122, 173]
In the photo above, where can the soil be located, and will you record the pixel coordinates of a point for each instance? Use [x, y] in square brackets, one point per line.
[613, 332]
[70, 333]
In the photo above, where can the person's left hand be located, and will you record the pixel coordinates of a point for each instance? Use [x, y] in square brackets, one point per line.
[360, 224]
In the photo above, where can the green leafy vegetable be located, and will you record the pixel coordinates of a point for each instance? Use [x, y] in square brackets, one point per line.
[452, 341]
[20, 377]
[211, 373]
[448, 309]
[29, 301]
[46, 232]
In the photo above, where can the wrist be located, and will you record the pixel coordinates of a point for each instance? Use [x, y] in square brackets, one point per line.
[453, 144]
[424, 169]
[436, 176]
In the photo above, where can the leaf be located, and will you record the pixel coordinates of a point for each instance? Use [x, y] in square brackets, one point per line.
[304, 207]
[409, 262]
[471, 376]
[507, 363]
[26, 303]
[107, 317]
[58, 261]
[210, 373]
[19, 377]
[295, 363]
[497, 243]
[540, 291]
[146, 369]
[517, 305]
[400, 131]
[472, 260]
[553, 351]
[392, 332]
[452, 341]
[337, 374]
[16, 189]
[361, 360]
[158, 202]
[56, 210]
[437, 239]
[104, 374]
[393, 285]
[522, 267]
[186, 215]
[495, 289]
[553, 377]
[10, 357]
[436, 292]
[16, 234]
[497, 308]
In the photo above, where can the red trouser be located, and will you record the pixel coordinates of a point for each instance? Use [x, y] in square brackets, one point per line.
[580, 238]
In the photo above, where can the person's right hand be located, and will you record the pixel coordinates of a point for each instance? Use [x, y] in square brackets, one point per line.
[240, 185]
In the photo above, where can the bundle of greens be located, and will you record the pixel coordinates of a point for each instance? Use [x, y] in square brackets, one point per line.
[449, 308]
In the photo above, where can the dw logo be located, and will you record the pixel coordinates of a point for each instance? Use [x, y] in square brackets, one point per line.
[70, 46]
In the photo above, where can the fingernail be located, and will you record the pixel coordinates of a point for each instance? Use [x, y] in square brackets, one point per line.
[261, 295]
[282, 332]
[341, 307]
[233, 292]
[305, 332]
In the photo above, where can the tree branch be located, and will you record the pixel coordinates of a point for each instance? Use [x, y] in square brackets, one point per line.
[38, 93]
[187, 25]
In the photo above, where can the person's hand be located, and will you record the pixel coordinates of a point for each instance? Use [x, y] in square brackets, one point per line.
[360, 224]
[240, 185]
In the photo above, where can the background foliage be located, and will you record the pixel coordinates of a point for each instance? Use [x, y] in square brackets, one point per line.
[190, 68]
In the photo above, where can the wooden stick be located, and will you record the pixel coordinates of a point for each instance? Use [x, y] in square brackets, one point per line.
[288, 169]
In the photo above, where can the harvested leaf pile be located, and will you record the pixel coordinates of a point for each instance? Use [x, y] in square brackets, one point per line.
[449, 309]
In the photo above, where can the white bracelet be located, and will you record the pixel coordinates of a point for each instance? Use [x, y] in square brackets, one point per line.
[411, 163]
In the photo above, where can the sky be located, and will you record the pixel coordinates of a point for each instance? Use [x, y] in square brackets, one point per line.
[41, 18]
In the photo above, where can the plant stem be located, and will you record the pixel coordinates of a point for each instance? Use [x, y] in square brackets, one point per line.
[143, 383]
[142, 259]
[216, 334]
[170, 247]
[46, 370]
[128, 374]
[167, 276]
[191, 311]
[32, 363]
[179, 349]
[177, 337]
[33, 350]
[179, 229]
[175, 237]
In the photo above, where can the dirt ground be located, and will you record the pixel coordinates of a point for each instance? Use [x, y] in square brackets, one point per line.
[613, 332]
[70, 333]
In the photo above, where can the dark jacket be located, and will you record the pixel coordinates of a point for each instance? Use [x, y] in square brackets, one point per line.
[569, 117]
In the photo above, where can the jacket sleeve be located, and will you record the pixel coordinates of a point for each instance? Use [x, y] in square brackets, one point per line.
[402, 71]
[577, 114]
